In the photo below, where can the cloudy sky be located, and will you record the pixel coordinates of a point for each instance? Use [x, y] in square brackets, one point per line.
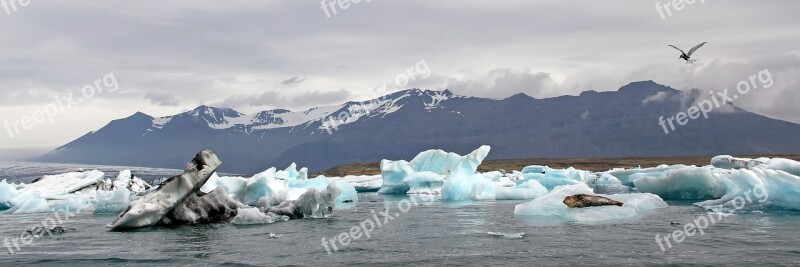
[170, 56]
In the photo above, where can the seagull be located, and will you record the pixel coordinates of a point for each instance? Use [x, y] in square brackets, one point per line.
[687, 56]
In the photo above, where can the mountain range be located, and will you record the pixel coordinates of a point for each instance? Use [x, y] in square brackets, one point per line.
[622, 123]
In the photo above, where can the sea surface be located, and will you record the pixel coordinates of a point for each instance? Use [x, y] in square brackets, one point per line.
[432, 233]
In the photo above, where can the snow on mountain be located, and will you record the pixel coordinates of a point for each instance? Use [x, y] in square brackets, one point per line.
[224, 118]
[618, 123]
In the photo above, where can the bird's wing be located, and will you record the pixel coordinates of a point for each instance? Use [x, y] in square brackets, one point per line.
[691, 51]
[677, 48]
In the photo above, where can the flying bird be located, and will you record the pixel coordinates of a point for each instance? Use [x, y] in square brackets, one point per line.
[688, 56]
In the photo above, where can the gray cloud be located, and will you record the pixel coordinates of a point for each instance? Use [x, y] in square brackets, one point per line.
[274, 99]
[202, 51]
[504, 82]
[162, 99]
[292, 81]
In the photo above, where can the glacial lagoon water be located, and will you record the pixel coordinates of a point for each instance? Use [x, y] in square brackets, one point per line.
[442, 233]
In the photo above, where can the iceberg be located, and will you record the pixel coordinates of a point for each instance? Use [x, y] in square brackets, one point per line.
[756, 187]
[362, 183]
[527, 190]
[686, 183]
[627, 176]
[464, 184]
[436, 161]
[424, 182]
[253, 215]
[313, 203]
[153, 207]
[67, 183]
[7, 193]
[552, 205]
[112, 201]
[216, 206]
[261, 185]
[30, 201]
[393, 173]
[550, 178]
[421, 173]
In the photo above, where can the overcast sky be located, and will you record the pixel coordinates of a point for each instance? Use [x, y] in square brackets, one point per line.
[171, 56]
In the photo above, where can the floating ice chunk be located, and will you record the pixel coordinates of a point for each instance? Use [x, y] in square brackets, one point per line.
[756, 187]
[534, 169]
[255, 216]
[435, 160]
[627, 176]
[493, 175]
[730, 162]
[67, 183]
[234, 186]
[464, 184]
[347, 193]
[787, 165]
[302, 174]
[551, 178]
[424, 182]
[686, 183]
[204, 208]
[507, 235]
[30, 201]
[552, 205]
[393, 173]
[607, 179]
[73, 203]
[313, 203]
[154, 206]
[528, 190]
[640, 202]
[547, 181]
[112, 201]
[123, 179]
[505, 181]
[483, 189]
[7, 193]
[431, 161]
[363, 183]
[212, 183]
[292, 171]
[263, 184]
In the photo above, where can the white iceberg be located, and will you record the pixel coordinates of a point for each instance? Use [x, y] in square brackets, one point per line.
[527, 190]
[7, 193]
[67, 183]
[756, 187]
[552, 205]
[685, 183]
[30, 201]
[253, 215]
[362, 183]
[420, 175]
[463, 183]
